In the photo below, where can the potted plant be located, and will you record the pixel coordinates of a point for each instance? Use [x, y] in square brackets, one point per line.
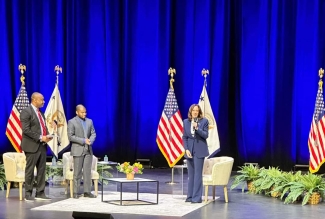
[3, 180]
[309, 186]
[284, 182]
[54, 173]
[247, 173]
[103, 171]
[129, 169]
[267, 181]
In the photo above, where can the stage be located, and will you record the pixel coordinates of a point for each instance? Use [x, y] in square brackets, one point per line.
[240, 205]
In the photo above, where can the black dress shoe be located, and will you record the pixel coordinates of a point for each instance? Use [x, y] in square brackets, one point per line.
[196, 202]
[188, 200]
[89, 195]
[42, 197]
[75, 195]
[29, 198]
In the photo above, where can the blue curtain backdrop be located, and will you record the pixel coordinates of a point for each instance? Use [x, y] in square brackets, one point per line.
[263, 57]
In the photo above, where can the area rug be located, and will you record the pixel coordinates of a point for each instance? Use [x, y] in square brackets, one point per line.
[168, 205]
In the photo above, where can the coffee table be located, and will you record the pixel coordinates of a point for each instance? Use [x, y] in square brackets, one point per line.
[136, 201]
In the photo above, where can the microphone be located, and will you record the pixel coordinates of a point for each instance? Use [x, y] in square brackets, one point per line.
[193, 121]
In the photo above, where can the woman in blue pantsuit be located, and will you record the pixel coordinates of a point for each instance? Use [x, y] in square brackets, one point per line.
[196, 131]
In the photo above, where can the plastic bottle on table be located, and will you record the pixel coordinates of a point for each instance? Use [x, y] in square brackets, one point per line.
[53, 161]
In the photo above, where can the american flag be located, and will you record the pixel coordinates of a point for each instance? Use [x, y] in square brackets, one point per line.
[13, 131]
[316, 140]
[170, 131]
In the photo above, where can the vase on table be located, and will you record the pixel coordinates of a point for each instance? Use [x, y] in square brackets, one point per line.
[130, 176]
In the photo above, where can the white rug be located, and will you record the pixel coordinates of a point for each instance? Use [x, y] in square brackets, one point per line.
[168, 205]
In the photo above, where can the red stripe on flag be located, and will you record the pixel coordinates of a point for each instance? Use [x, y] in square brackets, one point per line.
[13, 139]
[315, 157]
[164, 137]
[180, 127]
[13, 142]
[16, 129]
[16, 117]
[321, 139]
[311, 139]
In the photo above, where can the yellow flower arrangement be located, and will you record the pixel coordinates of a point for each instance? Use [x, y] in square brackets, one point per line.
[126, 168]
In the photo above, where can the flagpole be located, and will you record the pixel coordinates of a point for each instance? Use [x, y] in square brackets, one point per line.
[13, 130]
[171, 72]
[205, 72]
[57, 70]
[22, 68]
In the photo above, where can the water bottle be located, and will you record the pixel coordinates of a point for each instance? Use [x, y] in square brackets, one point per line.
[53, 161]
[105, 158]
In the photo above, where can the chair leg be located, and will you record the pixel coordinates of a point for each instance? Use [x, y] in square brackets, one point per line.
[71, 188]
[214, 192]
[206, 189]
[8, 189]
[226, 193]
[66, 186]
[20, 191]
[96, 186]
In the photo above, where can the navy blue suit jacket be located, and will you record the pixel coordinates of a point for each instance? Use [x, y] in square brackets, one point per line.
[196, 144]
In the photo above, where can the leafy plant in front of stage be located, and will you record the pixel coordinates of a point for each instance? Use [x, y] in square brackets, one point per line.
[267, 181]
[52, 171]
[2, 177]
[284, 182]
[308, 186]
[247, 174]
[103, 171]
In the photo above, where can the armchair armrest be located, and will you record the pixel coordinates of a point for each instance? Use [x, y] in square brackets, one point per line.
[10, 168]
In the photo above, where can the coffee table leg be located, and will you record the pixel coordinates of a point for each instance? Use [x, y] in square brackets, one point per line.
[102, 188]
[138, 191]
[121, 194]
[157, 191]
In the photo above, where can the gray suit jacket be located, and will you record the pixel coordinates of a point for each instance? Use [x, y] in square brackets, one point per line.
[77, 137]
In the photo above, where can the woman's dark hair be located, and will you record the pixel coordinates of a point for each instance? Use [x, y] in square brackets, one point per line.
[189, 115]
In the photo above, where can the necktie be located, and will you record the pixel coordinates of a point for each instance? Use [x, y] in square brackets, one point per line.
[84, 126]
[42, 122]
[83, 122]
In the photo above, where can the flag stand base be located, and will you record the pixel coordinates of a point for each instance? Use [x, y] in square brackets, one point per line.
[172, 182]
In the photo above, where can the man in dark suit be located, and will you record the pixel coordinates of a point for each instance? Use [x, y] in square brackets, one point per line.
[34, 142]
[195, 133]
[81, 133]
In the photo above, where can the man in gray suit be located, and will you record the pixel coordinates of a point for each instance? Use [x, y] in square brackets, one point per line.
[81, 133]
[34, 142]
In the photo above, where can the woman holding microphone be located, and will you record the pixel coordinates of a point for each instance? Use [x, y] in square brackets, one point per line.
[196, 131]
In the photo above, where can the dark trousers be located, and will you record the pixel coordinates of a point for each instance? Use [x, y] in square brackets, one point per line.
[195, 185]
[38, 160]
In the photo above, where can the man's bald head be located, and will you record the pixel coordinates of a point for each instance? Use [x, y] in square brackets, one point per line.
[79, 107]
[81, 111]
[37, 99]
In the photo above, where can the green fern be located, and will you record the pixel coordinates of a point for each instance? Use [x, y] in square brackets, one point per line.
[52, 171]
[283, 182]
[268, 178]
[103, 171]
[304, 187]
[2, 177]
[246, 173]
